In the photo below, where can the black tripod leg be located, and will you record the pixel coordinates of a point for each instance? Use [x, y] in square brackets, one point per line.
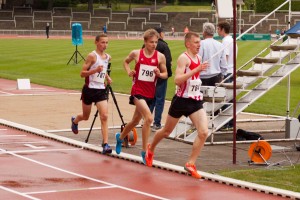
[87, 139]
[71, 57]
[81, 56]
[120, 114]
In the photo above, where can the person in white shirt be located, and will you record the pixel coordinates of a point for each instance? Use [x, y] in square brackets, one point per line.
[212, 51]
[223, 31]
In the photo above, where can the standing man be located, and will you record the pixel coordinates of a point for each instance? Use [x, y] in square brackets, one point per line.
[149, 65]
[211, 50]
[94, 71]
[47, 29]
[227, 41]
[187, 101]
[161, 84]
[104, 29]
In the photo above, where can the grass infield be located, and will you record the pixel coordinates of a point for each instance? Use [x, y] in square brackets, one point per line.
[45, 62]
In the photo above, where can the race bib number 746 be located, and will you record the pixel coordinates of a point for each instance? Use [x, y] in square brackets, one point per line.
[146, 73]
[194, 88]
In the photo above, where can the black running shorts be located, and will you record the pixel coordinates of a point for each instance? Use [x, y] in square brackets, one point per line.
[90, 95]
[148, 100]
[184, 106]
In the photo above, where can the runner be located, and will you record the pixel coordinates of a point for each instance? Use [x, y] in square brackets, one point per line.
[149, 65]
[187, 101]
[94, 90]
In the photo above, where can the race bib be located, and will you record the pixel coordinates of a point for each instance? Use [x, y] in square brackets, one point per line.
[146, 73]
[194, 88]
[99, 77]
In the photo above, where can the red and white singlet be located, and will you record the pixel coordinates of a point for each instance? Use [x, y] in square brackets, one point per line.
[191, 88]
[144, 81]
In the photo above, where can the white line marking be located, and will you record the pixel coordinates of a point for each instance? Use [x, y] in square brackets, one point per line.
[34, 147]
[83, 176]
[18, 193]
[13, 135]
[78, 189]
[4, 143]
[37, 151]
[3, 129]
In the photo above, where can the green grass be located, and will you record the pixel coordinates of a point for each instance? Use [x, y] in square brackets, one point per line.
[285, 178]
[45, 62]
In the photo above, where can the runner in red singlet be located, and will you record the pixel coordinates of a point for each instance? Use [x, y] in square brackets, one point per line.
[149, 65]
[187, 101]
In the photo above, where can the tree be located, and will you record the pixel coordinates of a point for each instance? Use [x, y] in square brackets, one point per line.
[50, 4]
[90, 6]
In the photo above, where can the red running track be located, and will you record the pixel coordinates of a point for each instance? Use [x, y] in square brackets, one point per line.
[34, 167]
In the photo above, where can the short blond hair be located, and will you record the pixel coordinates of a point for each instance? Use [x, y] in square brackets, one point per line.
[150, 33]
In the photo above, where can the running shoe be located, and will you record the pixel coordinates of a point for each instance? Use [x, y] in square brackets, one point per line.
[191, 168]
[106, 149]
[74, 126]
[155, 127]
[143, 154]
[119, 143]
[149, 156]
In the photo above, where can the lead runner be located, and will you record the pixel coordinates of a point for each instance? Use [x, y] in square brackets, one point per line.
[187, 101]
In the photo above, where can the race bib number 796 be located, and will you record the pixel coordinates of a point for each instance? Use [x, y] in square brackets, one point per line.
[146, 73]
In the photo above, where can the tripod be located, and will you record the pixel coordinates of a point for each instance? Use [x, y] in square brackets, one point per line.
[74, 56]
[110, 90]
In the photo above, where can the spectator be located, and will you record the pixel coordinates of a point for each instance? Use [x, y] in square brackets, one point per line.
[104, 29]
[47, 30]
[173, 31]
[211, 50]
[186, 30]
[227, 41]
[161, 84]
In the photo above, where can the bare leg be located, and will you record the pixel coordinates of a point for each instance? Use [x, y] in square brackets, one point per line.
[199, 120]
[86, 111]
[164, 132]
[145, 112]
[130, 125]
[103, 114]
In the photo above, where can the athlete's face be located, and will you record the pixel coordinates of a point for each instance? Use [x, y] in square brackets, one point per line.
[194, 44]
[151, 43]
[102, 43]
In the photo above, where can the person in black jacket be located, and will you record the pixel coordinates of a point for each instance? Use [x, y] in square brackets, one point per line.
[161, 85]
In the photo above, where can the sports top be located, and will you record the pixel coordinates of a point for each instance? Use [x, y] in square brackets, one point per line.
[97, 80]
[144, 80]
[191, 87]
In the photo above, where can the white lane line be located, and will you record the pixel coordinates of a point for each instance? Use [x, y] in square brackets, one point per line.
[34, 147]
[18, 193]
[69, 190]
[2, 151]
[83, 176]
[38, 142]
[6, 92]
[13, 135]
[3, 129]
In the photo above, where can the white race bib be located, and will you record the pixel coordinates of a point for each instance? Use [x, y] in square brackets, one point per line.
[99, 77]
[146, 73]
[194, 88]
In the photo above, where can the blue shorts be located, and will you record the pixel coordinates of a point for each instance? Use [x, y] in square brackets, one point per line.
[184, 106]
[90, 95]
